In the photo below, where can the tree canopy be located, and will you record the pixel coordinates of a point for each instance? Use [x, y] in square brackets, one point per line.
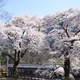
[35, 35]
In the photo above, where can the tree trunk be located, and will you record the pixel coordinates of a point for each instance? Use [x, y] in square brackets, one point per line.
[14, 69]
[67, 66]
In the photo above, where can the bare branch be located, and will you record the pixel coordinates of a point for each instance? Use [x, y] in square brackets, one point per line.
[18, 56]
[15, 54]
[77, 32]
[22, 34]
[65, 29]
[2, 3]
[66, 32]
[9, 56]
[22, 53]
[10, 39]
[20, 44]
[73, 40]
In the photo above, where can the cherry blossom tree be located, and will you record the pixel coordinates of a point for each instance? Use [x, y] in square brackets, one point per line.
[21, 37]
[62, 32]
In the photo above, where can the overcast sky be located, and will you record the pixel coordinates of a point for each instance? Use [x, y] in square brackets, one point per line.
[39, 7]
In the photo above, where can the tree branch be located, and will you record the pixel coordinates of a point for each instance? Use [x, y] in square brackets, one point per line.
[18, 56]
[22, 34]
[65, 29]
[9, 56]
[15, 54]
[77, 32]
[22, 53]
[10, 39]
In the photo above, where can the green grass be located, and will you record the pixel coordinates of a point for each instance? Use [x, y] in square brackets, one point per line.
[58, 60]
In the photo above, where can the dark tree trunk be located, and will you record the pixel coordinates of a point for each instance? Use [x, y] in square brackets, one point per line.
[14, 69]
[67, 66]
[16, 62]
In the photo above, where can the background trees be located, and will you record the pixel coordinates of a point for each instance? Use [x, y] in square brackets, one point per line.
[4, 15]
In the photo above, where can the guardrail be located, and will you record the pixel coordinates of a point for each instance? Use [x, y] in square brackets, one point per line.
[33, 65]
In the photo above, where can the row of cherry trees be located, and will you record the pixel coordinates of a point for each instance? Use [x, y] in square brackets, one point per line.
[31, 34]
